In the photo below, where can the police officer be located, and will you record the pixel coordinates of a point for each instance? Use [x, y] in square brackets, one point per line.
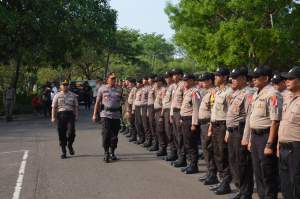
[218, 129]
[136, 110]
[129, 111]
[239, 156]
[189, 119]
[289, 138]
[204, 116]
[159, 116]
[144, 112]
[65, 112]
[168, 127]
[9, 101]
[175, 117]
[278, 82]
[109, 99]
[151, 113]
[264, 117]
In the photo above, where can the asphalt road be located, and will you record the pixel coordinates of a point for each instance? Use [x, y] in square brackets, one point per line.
[138, 173]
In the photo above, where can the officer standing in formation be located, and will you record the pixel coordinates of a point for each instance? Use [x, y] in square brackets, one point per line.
[9, 97]
[204, 116]
[109, 101]
[129, 111]
[263, 123]
[289, 138]
[217, 129]
[65, 112]
[166, 106]
[189, 122]
[239, 156]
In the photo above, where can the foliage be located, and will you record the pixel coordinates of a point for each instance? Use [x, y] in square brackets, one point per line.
[238, 32]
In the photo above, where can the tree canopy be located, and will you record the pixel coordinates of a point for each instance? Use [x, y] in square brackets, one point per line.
[238, 32]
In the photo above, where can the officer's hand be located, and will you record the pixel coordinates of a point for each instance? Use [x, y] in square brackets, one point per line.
[193, 128]
[249, 146]
[94, 118]
[53, 120]
[171, 119]
[226, 136]
[277, 152]
[161, 119]
[209, 131]
[244, 143]
[268, 151]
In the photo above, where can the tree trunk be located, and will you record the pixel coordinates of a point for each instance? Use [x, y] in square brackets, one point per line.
[107, 65]
[17, 74]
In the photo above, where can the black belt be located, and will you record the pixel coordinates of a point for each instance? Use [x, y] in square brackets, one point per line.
[204, 121]
[176, 110]
[112, 109]
[236, 128]
[217, 123]
[157, 109]
[186, 118]
[260, 131]
[290, 145]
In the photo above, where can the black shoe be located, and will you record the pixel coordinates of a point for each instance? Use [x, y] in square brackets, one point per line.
[180, 163]
[147, 144]
[191, 170]
[203, 178]
[63, 156]
[114, 157]
[106, 157]
[201, 156]
[236, 196]
[162, 152]
[171, 157]
[184, 169]
[211, 180]
[223, 189]
[154, 148]
[140, 141]
[71, 150]
[214, 187]
[132, 139]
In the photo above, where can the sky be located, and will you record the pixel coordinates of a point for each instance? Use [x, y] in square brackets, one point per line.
[147, 16]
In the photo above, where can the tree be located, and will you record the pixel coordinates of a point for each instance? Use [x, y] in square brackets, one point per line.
[237, 32]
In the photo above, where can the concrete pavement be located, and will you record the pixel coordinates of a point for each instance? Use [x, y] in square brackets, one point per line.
[138, 174]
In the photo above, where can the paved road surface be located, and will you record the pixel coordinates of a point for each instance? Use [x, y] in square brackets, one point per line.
[139, 174]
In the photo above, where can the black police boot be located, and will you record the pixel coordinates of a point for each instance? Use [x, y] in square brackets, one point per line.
[71, 150]
[147, 144]
[154, 147]
[132, 139]
[191, 169]
[201, 156]
[161, 152]
[64, 152]
[140, 141]
[106, 157]
[223, 189]
[113, 155]
[203, 178]
[172, 156]
[211, 180]
[236, 196]
[180, 163]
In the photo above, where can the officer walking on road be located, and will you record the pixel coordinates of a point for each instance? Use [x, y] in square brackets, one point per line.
[65, 112]
[109, 100]
[264, 118]
[289, 138]
[9, 101]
